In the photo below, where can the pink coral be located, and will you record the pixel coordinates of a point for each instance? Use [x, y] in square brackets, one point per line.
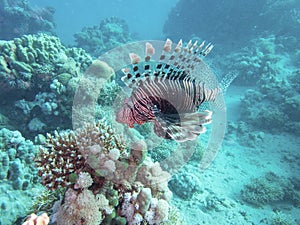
[37, 220]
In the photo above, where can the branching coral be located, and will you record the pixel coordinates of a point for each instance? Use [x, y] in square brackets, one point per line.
[108, 184]
[59, 160]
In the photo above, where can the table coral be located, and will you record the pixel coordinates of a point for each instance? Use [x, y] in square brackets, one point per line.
[114, 184]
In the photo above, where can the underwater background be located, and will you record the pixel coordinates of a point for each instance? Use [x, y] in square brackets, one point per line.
[53, 79]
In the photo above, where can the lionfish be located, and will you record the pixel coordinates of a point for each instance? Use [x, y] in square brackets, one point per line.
[166, 93]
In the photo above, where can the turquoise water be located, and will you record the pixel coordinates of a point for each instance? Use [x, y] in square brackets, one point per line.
[107, 117]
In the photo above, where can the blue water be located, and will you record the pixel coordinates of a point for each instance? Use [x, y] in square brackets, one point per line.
[145, 20]
[87, 138]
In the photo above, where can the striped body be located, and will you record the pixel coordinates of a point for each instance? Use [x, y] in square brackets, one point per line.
[167, 95]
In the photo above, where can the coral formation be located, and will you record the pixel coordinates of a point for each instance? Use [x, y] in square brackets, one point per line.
[264, 57]
[18, 18]
[274, 106]
[110, 33]
[184, 185]
[34, 61]
[108, 184]
[18, 175]
[273, 103]
[16, 158]
[280, 18]
[37, 220]
[280, 218]
[44, 200]
[63, 163]
[42, 74]
[246, 137]
[270, 189]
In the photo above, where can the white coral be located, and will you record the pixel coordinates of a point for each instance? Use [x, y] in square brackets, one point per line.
[110, 165]
[84, 180]
[159, 211]
[84, 207]
[114, 154]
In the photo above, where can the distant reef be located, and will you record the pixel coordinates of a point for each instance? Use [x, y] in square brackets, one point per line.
[271, 189]
[273, 104]
[232, 23]
[110, 33]
[18, 18]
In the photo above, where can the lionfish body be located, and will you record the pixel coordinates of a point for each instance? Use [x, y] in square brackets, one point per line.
[164, 92]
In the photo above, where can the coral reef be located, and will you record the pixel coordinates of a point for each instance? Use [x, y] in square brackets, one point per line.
[70, 161]
[17, 166]
[45, 199]
[273, 103]
[280, 18]
[270, 189]
[110, 33]
[265, 56]
[274, 106]
[34, 61]
[280, 218]
[184, 185]
[18, 18]
[38, 78]
[107, 182]
[247, 137]
[18, 175]
[212, 202]
[163, 150]
[37, 220]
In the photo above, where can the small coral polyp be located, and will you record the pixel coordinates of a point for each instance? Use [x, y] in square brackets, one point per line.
[106, 181]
